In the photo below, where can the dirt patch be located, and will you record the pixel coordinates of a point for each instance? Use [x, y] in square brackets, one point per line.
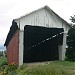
[72, 72]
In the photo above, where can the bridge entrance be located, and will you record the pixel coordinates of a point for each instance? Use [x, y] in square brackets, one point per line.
[41, 43]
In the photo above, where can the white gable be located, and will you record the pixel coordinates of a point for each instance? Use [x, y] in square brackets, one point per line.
[42, 17]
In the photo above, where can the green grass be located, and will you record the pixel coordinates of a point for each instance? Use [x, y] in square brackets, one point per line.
[53, 68]
[3, 61]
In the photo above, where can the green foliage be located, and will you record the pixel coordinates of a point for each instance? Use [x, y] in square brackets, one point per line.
[23, 66]
[70, 53]
[53, 68]
[9, 69]
[3, 61]
[1, 53]
[73, 19]
[5, 53]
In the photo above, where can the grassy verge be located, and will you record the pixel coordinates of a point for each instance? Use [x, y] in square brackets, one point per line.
[53, 68]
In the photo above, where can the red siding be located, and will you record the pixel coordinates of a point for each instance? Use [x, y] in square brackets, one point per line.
[13, 49]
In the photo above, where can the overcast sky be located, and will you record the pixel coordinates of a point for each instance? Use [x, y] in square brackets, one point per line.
[11, 9]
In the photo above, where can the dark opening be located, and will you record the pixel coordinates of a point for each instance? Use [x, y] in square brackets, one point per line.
[41, 43]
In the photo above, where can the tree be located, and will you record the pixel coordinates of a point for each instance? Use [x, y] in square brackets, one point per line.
[70, 53]
[1, 53]
[5, 53]
[73, 19]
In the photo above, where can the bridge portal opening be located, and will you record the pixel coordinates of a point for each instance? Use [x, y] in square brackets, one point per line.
[41, 43]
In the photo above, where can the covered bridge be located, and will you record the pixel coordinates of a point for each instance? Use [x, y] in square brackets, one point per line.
[36, 37]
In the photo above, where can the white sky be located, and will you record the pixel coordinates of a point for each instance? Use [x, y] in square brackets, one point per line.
[10, 9]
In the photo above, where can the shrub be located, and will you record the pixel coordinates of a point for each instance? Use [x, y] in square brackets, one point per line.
[70, 53]
[3, 61]
[9, 69]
